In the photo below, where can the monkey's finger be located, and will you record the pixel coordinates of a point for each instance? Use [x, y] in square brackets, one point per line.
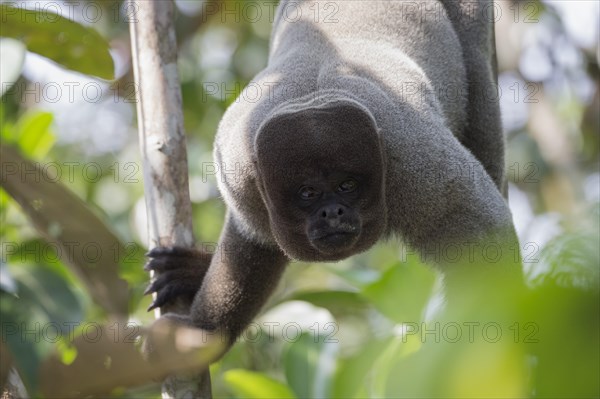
[160, 264]
[176, 263]
[152, 306]
[155, 286]
[162, 297]
[161, 281]
[163, 258]
[164, 251]
[157, 252]
[184, 287]
[169, 263]
[171, 292]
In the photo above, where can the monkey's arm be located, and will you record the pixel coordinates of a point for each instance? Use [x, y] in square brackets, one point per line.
[473, 239]
[241, 277]
[442, 200]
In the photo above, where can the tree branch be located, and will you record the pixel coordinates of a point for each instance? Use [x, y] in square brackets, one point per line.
[162, 142]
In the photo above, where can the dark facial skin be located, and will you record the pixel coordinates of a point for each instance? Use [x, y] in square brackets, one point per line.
[326, 216]
[322, 183]
[333, 223]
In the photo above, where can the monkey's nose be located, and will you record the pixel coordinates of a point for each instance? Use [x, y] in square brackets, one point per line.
[332, 214]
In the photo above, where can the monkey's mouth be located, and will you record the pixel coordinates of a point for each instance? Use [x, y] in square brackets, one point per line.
[335, 241]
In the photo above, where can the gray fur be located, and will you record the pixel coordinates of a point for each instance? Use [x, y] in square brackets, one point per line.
[441, 145]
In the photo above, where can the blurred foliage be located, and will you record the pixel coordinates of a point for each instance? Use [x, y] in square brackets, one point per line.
[64, 41]
[370, 326]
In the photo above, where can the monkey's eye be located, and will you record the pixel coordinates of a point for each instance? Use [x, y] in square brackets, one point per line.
[308, 193]
[347, 186]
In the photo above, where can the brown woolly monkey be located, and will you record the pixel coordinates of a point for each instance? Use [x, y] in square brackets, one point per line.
[378, 118]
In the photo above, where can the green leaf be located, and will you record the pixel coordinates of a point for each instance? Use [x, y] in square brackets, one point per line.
[352, 372]
[34, 135]
[16, 317]
[307, 366]
[337, 302]
[40, 287]
[463, 369]
[249, 384]
[63, 219]
[402, 292]
[44, 311]
[573, 258]
[353, 276]
[67, 353]
[66, 42]
[12, 56]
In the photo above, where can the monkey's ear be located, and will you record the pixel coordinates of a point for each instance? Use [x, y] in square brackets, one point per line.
[326, 126]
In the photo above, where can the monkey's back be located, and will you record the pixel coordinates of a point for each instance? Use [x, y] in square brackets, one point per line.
[385, 56]
[377, 39]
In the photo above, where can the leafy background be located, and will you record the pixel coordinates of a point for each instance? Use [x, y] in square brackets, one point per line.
[350, 329]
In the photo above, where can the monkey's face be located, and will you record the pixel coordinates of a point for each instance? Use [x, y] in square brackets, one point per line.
[321, 177]
[330, 216]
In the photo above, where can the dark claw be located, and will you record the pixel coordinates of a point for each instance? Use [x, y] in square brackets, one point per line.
[160, 282]
[151, 288]
[152, 306]
[162, 297]
[179, 273]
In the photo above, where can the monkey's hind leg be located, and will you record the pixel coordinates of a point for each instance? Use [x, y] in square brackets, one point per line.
[180, 272]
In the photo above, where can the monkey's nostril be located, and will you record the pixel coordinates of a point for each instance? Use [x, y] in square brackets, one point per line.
[324, 214]
[340, 212]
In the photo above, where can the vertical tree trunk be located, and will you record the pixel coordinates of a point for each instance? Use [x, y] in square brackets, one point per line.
[162, 142]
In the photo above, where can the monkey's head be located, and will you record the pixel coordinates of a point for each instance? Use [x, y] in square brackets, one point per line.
[321, 176]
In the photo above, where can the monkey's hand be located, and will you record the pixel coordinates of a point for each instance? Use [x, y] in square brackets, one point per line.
[179, 274]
